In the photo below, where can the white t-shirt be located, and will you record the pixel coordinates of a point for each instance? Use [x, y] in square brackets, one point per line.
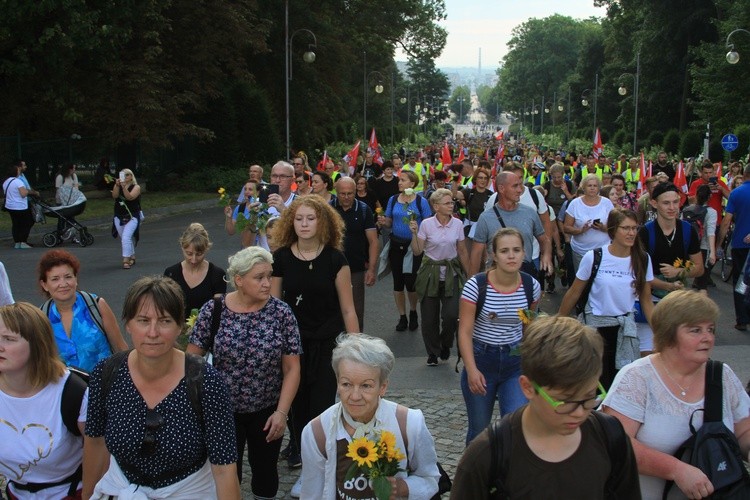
[609, 292]
[639, 393]
[36, 445]
[582, 213]
[13, 198]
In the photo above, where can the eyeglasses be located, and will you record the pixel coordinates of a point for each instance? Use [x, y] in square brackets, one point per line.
[154, 421]
[448, 203]
[566, 407]
[629, 229]
[279, 176]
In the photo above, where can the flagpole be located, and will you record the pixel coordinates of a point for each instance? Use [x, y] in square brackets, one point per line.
[364, 120]
[286, 73]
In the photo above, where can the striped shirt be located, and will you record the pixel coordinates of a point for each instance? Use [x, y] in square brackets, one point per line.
[498, 322]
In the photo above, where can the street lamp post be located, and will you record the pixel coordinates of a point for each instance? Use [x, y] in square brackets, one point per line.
[460, 109]
[567, 133]
[378, 90]
[733, 57]
[308, 57]
[622, 90]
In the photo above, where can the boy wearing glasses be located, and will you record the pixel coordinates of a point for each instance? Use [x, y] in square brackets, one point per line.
[557, 447]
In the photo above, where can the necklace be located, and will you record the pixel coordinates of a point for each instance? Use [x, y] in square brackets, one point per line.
[303, 252]
[670, 239]
[683, 390]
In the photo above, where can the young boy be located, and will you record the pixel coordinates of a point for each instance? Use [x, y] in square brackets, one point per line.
[558, 449]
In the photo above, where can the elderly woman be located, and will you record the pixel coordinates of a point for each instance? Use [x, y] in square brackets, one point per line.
[127, 195]
[159, 421]
[256, 348]
[362, 365]
[311, 274]
[86, 330]
[585, 219]
[656, 397]
[42, 450]
[442, 274]
[199, 279]
[401, 209]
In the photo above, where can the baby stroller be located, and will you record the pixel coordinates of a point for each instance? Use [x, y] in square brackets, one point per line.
[68, 229]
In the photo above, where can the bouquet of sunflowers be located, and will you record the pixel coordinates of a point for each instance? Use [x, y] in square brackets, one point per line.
[376, 456]
[685, 266]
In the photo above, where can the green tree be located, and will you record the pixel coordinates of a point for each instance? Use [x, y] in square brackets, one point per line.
[460, 102]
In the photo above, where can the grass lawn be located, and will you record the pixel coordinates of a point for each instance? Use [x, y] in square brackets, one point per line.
[102, 207]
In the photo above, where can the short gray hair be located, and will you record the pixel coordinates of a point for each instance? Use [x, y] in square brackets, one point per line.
[438, 194]
[243, 261]
[365, 350]
[285, 165]
[591, 177]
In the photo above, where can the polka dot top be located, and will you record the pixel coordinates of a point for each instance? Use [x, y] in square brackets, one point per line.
[182, 443]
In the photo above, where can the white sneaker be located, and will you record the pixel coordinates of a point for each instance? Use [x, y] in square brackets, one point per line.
[296, 489]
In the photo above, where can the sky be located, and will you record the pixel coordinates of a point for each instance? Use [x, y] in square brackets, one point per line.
[488, 24]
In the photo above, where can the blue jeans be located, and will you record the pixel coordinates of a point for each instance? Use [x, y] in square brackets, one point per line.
[501, 370]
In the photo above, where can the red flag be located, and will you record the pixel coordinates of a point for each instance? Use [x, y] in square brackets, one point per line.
[499, 156]
[445, 156]
[642, 176]
[374, 148]
[322, 165]
[461, 156]
[681, 182]
[650, 168]
[487, 154]
[598, 146]
[499, 135]
[718, 170]
[351, 156]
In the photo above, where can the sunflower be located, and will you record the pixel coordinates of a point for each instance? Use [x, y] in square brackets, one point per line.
[362, 451]
[387, 444]
[222, 190]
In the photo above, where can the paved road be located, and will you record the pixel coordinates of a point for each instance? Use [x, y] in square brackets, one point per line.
[435, 390]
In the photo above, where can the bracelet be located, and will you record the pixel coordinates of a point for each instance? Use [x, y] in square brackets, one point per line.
[286, 415]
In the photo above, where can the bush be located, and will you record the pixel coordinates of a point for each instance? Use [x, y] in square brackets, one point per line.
[691, 143]
[655, 139]
[672, 141]
[619, 138]
[211, 178]
[743, 136]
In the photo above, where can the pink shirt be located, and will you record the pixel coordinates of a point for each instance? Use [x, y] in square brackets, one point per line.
[441, 240]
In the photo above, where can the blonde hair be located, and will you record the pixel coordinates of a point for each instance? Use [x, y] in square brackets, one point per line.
[197, 236]
[692, 308]
[132, 175]
[561, 352]
[330, 225]
[44, 364]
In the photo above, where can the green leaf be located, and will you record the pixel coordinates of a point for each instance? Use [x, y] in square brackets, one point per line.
[352, 471]
[382, 488]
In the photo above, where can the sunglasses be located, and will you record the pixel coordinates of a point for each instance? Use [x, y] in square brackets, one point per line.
[154, 421]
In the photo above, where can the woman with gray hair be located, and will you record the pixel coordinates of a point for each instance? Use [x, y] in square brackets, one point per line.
[362, 365]
[586, 219]
[441, 275]
[255, 343]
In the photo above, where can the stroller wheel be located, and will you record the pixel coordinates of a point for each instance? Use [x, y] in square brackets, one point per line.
[50, 240]
[85, 238]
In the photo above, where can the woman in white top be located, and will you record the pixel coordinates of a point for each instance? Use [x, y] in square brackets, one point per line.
[66, 177]
[624, 275]
[656, 396]
[489, 342]
[17, 205]
[41, 450]
[362, 365]
[585, 219]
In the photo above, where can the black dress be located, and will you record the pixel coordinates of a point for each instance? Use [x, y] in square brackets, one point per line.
[195, 297]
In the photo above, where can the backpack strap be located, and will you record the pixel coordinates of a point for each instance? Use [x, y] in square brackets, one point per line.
[499, 217]
[687, 232]
[616, 441]
[402, 412]
[535, 197]
[651, 236]
[584, 298]
[194, 369]
[109, 371]
[501, 437]
[481, 279]
[528, 287]
[92, 304]
[714, 391]
[319, 435]
[391, 202]
[70, 402]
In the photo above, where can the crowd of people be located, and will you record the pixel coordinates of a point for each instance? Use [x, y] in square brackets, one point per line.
[471, 248]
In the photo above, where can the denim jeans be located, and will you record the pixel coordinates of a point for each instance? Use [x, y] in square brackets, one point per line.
[501, 367]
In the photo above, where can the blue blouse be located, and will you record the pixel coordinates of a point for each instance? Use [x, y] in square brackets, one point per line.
[87, 345]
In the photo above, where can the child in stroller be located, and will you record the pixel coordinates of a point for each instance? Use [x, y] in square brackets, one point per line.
[67, 227]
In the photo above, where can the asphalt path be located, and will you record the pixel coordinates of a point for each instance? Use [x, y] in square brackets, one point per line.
[101, 273]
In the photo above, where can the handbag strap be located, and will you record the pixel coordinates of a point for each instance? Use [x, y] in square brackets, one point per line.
[714, 391]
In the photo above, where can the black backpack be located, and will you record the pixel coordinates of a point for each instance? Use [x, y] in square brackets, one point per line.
[696, 216]
[713, 448]
[501, 436]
